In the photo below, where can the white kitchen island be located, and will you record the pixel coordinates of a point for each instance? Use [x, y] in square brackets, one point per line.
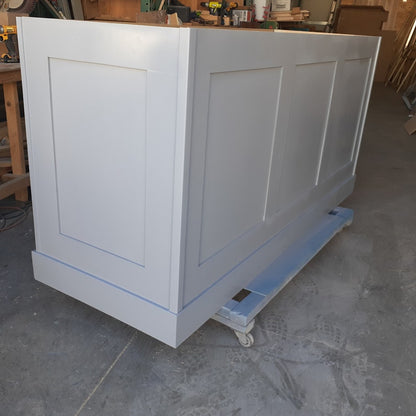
[170, 166]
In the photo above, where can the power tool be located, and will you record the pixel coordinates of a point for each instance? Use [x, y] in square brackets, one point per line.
[6, 31]
[231, 6]
[216, 8]
[8, 35]
[213, 6]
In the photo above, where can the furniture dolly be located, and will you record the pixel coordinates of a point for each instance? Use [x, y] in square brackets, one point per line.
[240, 312]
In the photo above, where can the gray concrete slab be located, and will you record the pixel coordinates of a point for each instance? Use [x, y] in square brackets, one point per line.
[338, 340]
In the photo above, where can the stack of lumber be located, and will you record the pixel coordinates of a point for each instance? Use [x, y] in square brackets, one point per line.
[296, 14]
[402, 72]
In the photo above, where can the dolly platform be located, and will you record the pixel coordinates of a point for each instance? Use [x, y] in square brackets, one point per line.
[239, 312]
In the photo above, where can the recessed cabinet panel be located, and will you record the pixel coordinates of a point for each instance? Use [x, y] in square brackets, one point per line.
[343, 126]
[307, 130]
[241, 126]
[89, 155]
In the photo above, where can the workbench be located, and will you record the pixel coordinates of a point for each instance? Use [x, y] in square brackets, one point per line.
[171, 166]
[17, 181]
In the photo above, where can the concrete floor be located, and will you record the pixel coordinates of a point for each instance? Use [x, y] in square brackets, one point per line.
[339, 340]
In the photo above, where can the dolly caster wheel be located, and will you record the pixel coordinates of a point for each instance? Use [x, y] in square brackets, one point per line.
[246, 340]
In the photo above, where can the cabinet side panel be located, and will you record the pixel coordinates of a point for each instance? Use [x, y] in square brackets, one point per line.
[99, 164]
[274, 128]
[102, 101]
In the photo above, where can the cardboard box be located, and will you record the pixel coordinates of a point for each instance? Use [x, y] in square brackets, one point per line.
[243, 15]
[284, 5]
[281, 5]
[361, 20]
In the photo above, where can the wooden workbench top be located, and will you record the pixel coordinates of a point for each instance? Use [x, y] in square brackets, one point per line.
[9, 73]
[9, 67]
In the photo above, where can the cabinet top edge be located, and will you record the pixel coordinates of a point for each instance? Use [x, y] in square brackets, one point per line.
[156, 27]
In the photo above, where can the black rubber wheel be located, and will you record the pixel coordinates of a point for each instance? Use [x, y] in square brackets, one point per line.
[26, 7]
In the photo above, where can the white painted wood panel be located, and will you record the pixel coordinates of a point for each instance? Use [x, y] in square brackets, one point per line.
[237, 158]
[167, 173]
[346, 113]
[104, 196]
[88, 155]
[315, 75]
[306, 130]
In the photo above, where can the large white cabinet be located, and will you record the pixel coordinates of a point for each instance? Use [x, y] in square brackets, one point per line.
[169, 166]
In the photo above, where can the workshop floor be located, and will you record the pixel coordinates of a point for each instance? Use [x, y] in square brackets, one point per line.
[339, 340]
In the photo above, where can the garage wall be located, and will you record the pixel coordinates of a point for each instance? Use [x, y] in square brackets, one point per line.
[398, 9]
